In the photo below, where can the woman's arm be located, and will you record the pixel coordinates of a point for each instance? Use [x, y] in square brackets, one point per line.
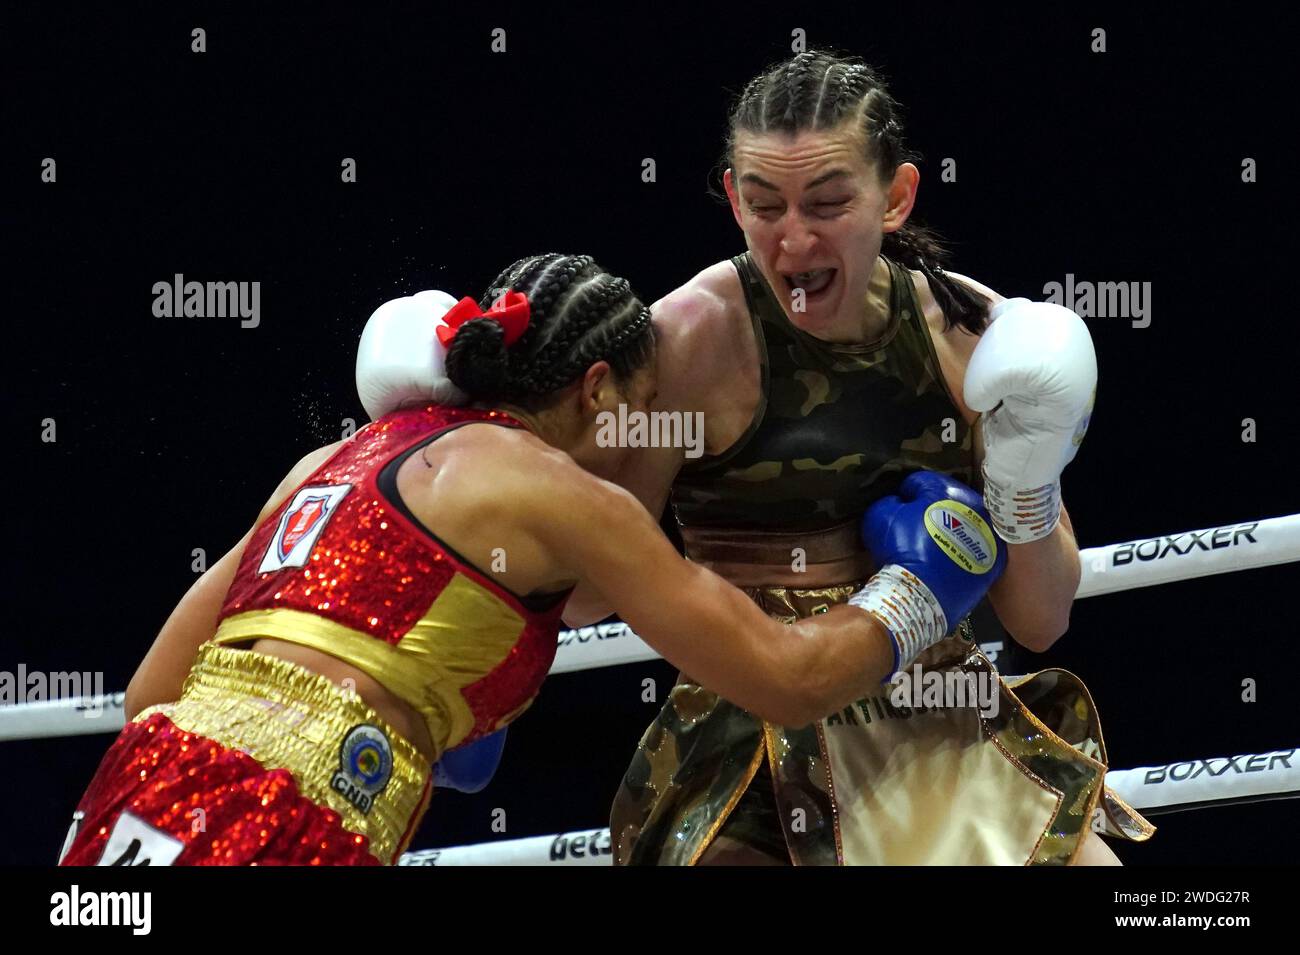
[162, 673]
[1034, 596]
[788, 674]
[647, 475]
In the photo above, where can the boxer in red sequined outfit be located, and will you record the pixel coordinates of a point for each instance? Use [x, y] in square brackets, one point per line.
[400, 595]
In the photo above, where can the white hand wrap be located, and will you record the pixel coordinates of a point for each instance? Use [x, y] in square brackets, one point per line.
[1022, 516]
[907, 608]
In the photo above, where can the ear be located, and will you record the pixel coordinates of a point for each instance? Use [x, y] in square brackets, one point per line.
[733, 195]
[597, 386]
[901, 197]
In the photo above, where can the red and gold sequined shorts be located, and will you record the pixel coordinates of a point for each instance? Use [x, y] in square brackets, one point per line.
[260, 762]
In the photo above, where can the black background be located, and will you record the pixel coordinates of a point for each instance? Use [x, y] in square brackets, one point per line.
[1119, 166]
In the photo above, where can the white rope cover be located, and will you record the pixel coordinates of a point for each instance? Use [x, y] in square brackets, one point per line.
[1116, 567]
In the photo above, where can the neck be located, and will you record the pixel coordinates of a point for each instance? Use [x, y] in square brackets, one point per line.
[549, 425]
[529, 419]
[865, 319]
[874, 309]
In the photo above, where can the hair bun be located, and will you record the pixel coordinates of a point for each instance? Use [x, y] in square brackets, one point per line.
[477, 362]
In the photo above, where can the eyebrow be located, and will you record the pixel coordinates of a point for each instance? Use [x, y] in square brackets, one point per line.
[821, 180]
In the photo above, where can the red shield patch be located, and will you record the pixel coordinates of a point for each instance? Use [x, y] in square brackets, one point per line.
[301, 521]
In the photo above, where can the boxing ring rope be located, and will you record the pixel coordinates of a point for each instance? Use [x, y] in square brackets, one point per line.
[1106, 570]
[1109, 569]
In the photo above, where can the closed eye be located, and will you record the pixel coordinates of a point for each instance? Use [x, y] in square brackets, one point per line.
[829, 208]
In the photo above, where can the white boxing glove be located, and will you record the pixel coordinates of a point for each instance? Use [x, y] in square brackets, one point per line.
[400, 361]
[1036, 366]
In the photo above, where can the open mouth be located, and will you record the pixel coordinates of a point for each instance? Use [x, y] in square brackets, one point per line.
[813, 282]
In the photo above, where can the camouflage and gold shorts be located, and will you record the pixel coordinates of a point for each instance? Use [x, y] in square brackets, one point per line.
[752, 833]
[1021, 782]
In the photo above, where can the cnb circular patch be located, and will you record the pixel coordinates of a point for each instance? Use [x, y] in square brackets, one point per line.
[963, 535]
[365, 766]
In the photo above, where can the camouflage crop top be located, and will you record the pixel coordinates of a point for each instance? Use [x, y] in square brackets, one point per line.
[837, 426]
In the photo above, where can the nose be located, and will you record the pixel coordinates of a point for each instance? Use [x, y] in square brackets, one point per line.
[797, 239]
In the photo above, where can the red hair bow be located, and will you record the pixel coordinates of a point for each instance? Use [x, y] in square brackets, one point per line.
[510, 311]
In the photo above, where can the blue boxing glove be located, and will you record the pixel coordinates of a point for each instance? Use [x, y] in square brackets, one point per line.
[938, 555]
[470, 767]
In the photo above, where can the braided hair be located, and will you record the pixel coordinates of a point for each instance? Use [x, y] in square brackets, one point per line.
[818, 90]
[579, 314]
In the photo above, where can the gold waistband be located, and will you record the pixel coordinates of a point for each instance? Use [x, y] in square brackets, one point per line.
[766, 558]
[287, 717]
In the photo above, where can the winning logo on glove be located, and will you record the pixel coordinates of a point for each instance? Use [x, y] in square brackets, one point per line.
[964, 535]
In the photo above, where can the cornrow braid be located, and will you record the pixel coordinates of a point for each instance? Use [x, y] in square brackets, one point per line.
[625, 320]
[588, 301]
[578, 314]
[825, 84]
[820, 90]
[606, 341]
[798, 76]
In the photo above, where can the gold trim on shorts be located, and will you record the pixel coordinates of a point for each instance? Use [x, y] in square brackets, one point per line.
[712, 833]
[287, 717]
